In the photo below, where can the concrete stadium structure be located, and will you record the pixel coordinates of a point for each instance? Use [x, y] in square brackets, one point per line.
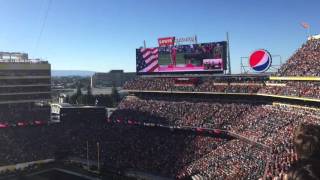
[25, 88]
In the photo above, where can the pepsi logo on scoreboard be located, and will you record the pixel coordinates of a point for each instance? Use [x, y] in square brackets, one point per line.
[260, 60]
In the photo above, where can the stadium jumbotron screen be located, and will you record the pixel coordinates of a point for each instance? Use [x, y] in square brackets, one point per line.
[194, 58]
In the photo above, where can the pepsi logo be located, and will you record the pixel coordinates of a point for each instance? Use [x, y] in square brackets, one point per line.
[260, 60]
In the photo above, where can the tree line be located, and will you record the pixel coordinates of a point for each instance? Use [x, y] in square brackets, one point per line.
[89, 99]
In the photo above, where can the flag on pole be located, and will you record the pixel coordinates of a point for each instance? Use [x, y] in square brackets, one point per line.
[305, 25]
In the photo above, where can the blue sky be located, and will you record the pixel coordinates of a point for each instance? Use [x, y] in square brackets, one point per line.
[100, 35]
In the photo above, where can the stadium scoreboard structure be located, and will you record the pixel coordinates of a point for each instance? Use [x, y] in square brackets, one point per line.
[176, 58]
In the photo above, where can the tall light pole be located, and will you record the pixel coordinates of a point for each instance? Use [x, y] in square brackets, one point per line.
[228, 54]
[88, 154]
[306, 26]
[144, 44]
[98, 155]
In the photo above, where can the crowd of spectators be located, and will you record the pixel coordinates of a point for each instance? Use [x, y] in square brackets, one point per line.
[171, 152]
[227, 87]
[304, 62]
[270, 125]
[155, 84]
[28, 143]
[231, 160]
[181, 112]
[160, 151]
[204, 85]
[308, 89]
[273, 126]
[24, 113]
[155, 150]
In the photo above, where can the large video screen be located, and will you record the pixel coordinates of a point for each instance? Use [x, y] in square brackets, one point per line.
[193, 58]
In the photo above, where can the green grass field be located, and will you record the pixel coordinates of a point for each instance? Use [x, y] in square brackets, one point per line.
[165, 59]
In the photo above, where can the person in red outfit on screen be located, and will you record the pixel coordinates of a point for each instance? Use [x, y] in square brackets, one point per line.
[173, 56]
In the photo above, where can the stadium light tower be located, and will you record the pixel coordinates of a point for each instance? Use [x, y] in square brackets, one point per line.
[144, 44]
[228, 55]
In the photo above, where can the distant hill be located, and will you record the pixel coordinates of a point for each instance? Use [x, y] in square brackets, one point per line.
[71, 73]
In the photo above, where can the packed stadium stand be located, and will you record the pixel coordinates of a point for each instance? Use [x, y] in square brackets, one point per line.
[220, 127]
[220, 84]
[304, 62]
